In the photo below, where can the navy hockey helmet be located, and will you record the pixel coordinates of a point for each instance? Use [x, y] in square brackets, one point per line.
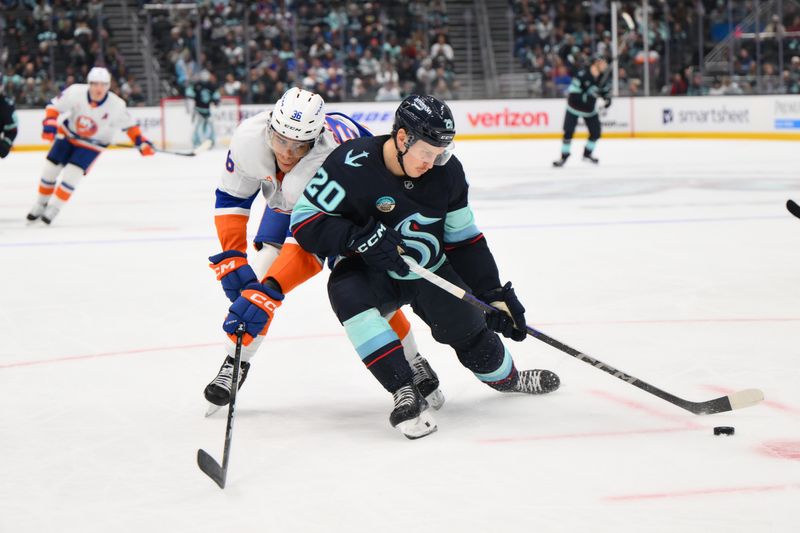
[425, 118]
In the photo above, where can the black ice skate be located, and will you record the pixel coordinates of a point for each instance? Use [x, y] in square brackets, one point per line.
[560, 162]
[587, 156]
[50, 213]
[36, 211]
[427, 382]
[218, 392]
[410, 414]
[535, 382]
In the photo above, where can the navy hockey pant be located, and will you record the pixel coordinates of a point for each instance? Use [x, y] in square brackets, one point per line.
[571, 122]
[359, 295]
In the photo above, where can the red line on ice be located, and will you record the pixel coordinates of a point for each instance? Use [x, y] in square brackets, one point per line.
[645, 408]
[589, 435]
[700, 492]
[156, 349]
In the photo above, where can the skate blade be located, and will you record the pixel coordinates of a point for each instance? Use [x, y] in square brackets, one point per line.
[212, 408]
[418, 427]
[204, 146]
[435, 399]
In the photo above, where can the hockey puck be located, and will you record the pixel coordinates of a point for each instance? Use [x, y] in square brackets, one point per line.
[723, 430]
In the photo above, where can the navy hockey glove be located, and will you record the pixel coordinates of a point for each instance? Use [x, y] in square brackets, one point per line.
[378, 247]
[509, 319]
[254, 308]
[606, 101]
[232, 271]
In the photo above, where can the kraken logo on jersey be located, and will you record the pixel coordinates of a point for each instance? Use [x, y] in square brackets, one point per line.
[423, 243]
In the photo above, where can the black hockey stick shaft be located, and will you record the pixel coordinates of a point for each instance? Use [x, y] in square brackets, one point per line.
[207, 463]
[736, 400]
[793, 208]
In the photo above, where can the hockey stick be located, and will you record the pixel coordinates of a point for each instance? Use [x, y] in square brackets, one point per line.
[204, 146]
[207, 463]
[793, 208]
[736, 400]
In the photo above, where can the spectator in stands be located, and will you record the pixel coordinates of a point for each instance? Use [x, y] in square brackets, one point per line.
[678, 86]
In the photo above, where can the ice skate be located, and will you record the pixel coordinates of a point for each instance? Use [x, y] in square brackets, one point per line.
[535, 382]
[560, 162]
[588, 157]
[218, 392]
[427, 382]
[50, 212]
[36, 211]
[410, 414]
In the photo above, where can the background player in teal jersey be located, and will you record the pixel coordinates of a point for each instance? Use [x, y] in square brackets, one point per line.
[586, 87]
[204, 94]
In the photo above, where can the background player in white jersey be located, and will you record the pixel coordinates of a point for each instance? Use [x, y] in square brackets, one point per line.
[81, 120]
[278, 153]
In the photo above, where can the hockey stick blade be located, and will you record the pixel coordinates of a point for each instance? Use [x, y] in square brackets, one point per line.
[737, 400]
[211, 468]
[793, 208]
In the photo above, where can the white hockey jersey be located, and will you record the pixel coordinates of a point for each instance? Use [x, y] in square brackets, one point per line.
[79, 116]
[251, 166]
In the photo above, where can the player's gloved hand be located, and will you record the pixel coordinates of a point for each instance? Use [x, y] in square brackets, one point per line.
[606, 102]
[232, 271]
[49, 129]
[378, 247]
[254, 308]
[509, 319]
[145, 147]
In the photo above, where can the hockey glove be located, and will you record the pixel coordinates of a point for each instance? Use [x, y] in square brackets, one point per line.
[254, 308]
[145, 147]
[49, 129]
[509, 319]
[606, 101]
[233, 272]
[378, 247]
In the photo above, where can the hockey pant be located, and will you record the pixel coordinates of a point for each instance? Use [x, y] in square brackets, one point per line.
[203, 129]
[75, 162]
[571, 122]
[359, 295]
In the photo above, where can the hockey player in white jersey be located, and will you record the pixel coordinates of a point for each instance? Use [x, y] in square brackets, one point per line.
[278, 153]
[81, 120]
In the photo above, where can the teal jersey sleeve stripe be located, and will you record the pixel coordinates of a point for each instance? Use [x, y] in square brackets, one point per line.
[368, 331]
[501, 373]
[459, 225]
[303, 210]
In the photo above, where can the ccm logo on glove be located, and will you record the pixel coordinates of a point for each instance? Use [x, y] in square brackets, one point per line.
[222, 269]
[373, 239]
[261, 300]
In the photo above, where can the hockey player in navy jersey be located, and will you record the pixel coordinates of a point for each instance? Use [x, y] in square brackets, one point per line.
[8, 121]
[406, 190]
[586, 87]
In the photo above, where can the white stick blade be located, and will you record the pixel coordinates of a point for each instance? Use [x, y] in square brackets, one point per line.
[745, 398]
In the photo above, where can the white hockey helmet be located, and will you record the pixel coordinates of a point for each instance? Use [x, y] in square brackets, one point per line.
[99, 75]
[299, 115]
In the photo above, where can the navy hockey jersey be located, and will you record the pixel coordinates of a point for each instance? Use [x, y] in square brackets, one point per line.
[432, 212]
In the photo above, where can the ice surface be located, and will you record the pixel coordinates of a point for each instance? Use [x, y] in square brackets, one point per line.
[674, 261]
